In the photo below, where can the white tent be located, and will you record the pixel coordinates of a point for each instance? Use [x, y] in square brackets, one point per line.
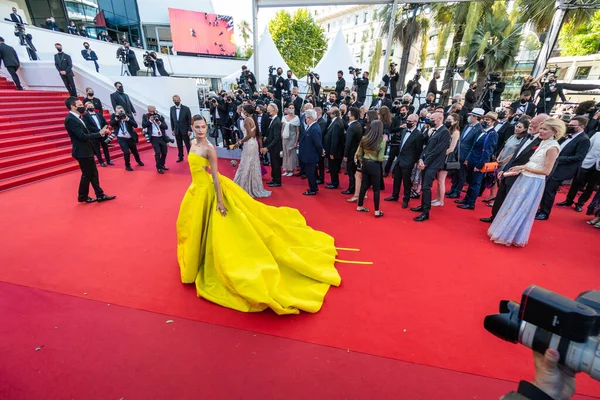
[268, 56]
[338, 57]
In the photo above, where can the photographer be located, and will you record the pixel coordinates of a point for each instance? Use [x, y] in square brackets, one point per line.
[297, 101]
[470, 97]
[391, 81]
[127, 137]
[151, 60]
[494, 88]
[340, 85]
[413, 87]
[362, 85]
[219, 111]
[247, 79]
[524, 106]
[155, 132]
[290, 82]
[127, 57]
[397, 129]
[433, 85]
[548, 94]
[279, 86]
[315, 86]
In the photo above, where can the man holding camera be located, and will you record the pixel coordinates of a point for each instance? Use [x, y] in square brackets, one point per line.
[494, 89]
[219, 112]
[181, 126]
[362, 85]
[151, 60]
[127, 137]
[391, 81]
[247, 78]
[433, 85]
[127, 56]
[155, 127]
[120, 99]
[315, 87]
[548, 94]
[82, 151]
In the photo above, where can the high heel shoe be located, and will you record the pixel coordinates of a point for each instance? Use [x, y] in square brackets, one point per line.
[437, 203]
[352, 199]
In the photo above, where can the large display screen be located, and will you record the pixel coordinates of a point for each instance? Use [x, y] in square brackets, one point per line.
[196, 32]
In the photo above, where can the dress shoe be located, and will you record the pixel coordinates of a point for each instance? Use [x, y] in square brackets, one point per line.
[449, 192]
[453, 195]
[179, 160]
[391, 198]
[309, 193]
[319, 182]
[297, 175]
[270, 182]
[274, 184]
[352, 199]
[141, 164]
[348, 192]
[128, 168]
[418, 209]
[102, 164]
[423, 217]
[564, 204]
[465, 207]
[541, 216]
[304, 177]
[405, 204]
[331, 187]
[489, 220]
[110, 163]
[165, 168]
[459, 201]
[105, 198]
[88, 200]
[578, 208]
[160, 171]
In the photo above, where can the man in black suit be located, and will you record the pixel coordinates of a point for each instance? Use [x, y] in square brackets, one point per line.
[11, 62]
[297, 100]
[95, 122]
[156, 128]
[249, 78]
[411, 146]
[381, 100]
[90, 55]
[470, 98]
[504, 127]
[491, 98]
[334, 147]
[15, 17]
[123, 125]
[432, 160]
[573, 149]
[263, 122]
[429, 102]
[548, 94]
[310, 149]
[340, 85]
[219, 111]
[83, 152]
[362, 84]
[354, 134]
[130, 59]
[273, 145]
[524, 106]
[322, 121]
[521, 156]
[433, 85]
[95, 101]
[119, 98]
[290, 82]
[64, 65]
[181, 126]
[391, 81]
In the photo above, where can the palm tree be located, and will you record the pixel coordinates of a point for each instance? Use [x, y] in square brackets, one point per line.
[245, 31]
[541, 12]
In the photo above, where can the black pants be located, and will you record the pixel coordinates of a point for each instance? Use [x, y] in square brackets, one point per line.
[129, 147]
[69, 84]
[459, 178]
[504, 187]
[394, 152]
[550, 190]
[99, 145]
[275, 166]
[351, 169]
[402, 177]
[588, 179]
[182, 138]
[429, 175]
[310, 169]
[322, 169]
[335, 166]
[160, 151]
[13, 73]
[371, 176]
[89, 174]
[228, 137]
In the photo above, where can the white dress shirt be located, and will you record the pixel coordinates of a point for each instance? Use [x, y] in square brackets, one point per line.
[592, 158]
[568, 140]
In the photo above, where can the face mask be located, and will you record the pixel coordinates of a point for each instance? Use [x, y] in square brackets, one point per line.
[410, 124]
[59, 49]
[177, 103]
[90, 110]
[404, 101]
[485, 124]
[469, 120]
[87, 47]
[91, 94]
[403, 115]
[448, 124]
[523, 101]
[427, 121]
[290, 76]
[502, 114]
[380, 94]
[120, 89]
[571, 129]
[81, 109]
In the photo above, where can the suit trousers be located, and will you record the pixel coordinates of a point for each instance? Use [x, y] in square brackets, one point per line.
[459, 178]
[160, 151]
[99, 145]
[588, 179]
[504, 187]
[335, 166]
[351, 169]
[89, 174]
[182, 138]
[69, 84]
[402, 177]
[550, 190]
[394, 152]
[228, 137]
[371, 176]
[321, 169]
[13, 73]
[310, 169]
[475, 180]
[129, 147]
[429, 175]
[275, 166]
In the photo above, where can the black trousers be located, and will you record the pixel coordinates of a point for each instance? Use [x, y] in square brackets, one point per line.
[160, 151]
[429, 175]
[371, 176]
[228, 137]
[182, 138]
[89, 174]
[550, 190]
[99, 145]
[275, 166]
[335, 166]
[69, 84]
[394, 152]
[504, 187]
[13, 73]
[402, 177]
[129, 147]
[351, 169]
[459, 178]
[321, 169]
[587, 178]
[310, 169]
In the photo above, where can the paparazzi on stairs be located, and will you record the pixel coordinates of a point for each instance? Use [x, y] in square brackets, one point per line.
[155, 132]
[124, 125]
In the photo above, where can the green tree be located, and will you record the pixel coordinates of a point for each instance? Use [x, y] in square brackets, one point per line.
[299, 39]
[540, 13]
[584, 40]
[375, 59]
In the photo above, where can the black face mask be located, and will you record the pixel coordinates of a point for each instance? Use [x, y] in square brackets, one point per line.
[502, 115]
[177, 103]
[91, 94]
[448, 124]
[403, 115]
[59, 49]
[120, 89]
[87, 47]
[404, 101]
[571, 129]
[289, 76]
[410, 124]
[381, 94]
[81, 109]
[90, 110]
[485, 124]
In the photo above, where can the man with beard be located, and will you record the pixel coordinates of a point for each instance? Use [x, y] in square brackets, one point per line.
[340, 85]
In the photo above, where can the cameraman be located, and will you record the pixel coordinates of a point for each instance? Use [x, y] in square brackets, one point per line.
[151, 60]
[124, 126]
[361, 85]
[491, 96]
[413, 87]
[340, 85]
[248, 78]
[397, 129]
[391, 81]
[524, 106]
[155, 127]
[219, 111]
[548, 94]
[279, 86]
[127, 56]
[315, 86]
[433, 85]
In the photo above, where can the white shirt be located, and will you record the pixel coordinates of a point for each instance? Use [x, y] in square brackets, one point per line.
[566, 142]
[178, 110]
[408, 133]
[78, 117]
[485, 132]
[592, 157]
[527, 143]
[123, 130]
[95, 118]
[156, 132]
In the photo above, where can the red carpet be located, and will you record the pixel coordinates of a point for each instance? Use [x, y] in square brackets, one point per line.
[423, 300]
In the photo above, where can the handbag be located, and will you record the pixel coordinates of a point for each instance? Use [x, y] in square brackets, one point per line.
[453, 165]
[489, 167]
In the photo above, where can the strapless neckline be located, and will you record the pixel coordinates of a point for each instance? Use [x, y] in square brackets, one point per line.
[198, 155]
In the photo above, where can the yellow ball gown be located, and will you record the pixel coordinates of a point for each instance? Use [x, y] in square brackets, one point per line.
[258, 256]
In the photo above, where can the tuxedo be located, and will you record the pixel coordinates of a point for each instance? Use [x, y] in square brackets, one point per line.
[156, 132]
[290, 84]
[481, 153]
[279, 87]
[310, 148]
[181, 127]
[83, 152]
[274, 146]
[524, 109]
[16, 18]
[410, 148]
[63, 63]
[354, 134]
[434, 158]
[323, 125]
[9, 56]
[94, 124]
[569, 160]
[128, 145]
[91, 57]
[121, 99]
[380, 102]
[334, 147]
[467, 138]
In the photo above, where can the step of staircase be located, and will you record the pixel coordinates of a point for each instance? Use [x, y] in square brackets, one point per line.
[13, 102]
[32, 123]
[32, 93]
[31, 110]
[42, 137]
[31, 148]
[16, 132]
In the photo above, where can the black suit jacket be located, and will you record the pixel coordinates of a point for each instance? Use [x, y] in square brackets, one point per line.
[121, 99]
[146, 123]
[412, 149]
[129, 125]
[9, 56]
[273, 137]
[264, 124]
[529, 107]
[298, 105]
[134, 67]
[353, 136]
[434, 154]
[184, 124]
[63, 62]
[433, 87]
[80, 137]
[470, 99]
[290, 83]
[90, 124]
[334, 139]
[384, 102]
[570, 157]
[16, 18]
[520, 159]
[340, 85]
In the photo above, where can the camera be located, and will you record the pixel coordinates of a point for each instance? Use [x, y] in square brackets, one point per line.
[110, 137]
[121, 115]
[493, 77]
[121, 55]
[353, 70]
[148, 58]
[545, 319]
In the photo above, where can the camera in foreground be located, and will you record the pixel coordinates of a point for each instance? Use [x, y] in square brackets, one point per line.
[353, 70]
[545, 319]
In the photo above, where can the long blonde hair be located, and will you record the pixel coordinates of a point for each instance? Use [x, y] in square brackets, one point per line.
[557, 126]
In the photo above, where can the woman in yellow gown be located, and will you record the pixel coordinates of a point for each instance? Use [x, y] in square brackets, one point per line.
[243, 254]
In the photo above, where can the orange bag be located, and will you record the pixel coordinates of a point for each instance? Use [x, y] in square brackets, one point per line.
[489, 167]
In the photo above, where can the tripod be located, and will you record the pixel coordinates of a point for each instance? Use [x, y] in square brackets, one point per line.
[479, 102]
[125, 69]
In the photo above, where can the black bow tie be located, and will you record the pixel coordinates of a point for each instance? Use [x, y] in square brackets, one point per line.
[569, 136]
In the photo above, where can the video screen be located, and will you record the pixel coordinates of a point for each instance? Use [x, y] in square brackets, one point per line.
[197, 33]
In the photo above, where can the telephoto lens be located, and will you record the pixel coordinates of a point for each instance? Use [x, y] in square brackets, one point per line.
[110, 138]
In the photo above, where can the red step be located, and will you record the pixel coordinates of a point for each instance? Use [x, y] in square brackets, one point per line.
[62, 110]
[33, 123]
[12, 133]
[43, 137]
[30, 148]
[23, 102]
[35, 156]
[30, 93]
[18, 118]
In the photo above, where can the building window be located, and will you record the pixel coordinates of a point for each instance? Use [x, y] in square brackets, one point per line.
[582, 73]
[365, 18]
[356, 20]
